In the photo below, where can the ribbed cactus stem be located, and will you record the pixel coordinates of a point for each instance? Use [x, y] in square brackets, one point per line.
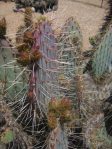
[102, 59]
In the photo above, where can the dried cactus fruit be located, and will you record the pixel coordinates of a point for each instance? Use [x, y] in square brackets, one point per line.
[28, 17]
[61, 110]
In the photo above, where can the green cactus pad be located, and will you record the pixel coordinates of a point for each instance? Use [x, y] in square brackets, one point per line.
[7, 136]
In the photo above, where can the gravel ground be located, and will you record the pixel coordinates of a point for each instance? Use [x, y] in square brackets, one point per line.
[87, 13]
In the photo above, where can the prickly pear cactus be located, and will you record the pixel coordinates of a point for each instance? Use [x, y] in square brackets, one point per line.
[69, 50]
[11, 75]
[70, 46]
[102, 60]
[38, 59]
[39, 56]
[36, 78]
